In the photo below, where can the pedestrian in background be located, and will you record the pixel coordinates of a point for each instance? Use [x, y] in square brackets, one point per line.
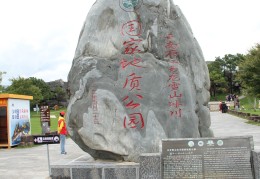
[236, 103]
[62, 130]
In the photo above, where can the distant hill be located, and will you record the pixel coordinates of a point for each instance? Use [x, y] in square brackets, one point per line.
[60, 100]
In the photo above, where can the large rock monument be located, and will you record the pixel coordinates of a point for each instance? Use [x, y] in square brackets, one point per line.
[138, 76]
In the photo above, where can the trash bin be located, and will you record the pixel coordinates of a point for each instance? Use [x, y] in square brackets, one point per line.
[224, 107]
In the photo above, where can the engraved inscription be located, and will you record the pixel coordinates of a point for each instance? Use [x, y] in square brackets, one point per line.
[207, 158]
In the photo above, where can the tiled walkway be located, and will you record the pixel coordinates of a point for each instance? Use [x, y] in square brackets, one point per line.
[32, 163]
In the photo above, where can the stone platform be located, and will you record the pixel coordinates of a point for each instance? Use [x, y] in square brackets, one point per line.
[84, 167]
[238, 152]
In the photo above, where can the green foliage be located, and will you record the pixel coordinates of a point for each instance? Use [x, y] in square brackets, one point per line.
[218, 97]
[45, 89]
[253, 123]
[25, 86]
[222, 73]
[229, 73]
[250, 104]
[60, 94]
[218, 83]
[230, 62]
[247, 103]
[249, 71]
[230, 66]
[30, 86]
[41, 91]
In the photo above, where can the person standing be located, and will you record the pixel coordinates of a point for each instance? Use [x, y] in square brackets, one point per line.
[62, 130]
[236, 103]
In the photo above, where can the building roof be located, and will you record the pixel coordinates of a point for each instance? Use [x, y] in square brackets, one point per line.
[15, 96]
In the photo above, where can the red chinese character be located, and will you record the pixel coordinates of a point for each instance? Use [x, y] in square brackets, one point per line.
[171, 54]
[139, 96]
[134, 82]
[174, 85]
[169, 37]
[174, 62]
[175, 104]
[135, 118]
[174, 77]
[132, 28]
[124, 63]
[131, 46]
[171, 46]
[131, 104]
[174, 95]
[173, 69]
[94, 101]
[176, 113]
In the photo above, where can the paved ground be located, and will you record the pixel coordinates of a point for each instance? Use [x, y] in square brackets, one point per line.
[32, 163]
[224, 124]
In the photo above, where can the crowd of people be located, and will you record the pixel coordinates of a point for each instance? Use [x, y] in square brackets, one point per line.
[229, 98]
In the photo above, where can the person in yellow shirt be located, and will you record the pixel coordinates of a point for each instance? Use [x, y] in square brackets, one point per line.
[62, 130]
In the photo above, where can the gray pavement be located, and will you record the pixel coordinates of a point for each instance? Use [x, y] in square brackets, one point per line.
[32, 163]
[224, 125]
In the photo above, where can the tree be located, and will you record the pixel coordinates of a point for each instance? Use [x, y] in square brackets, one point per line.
[229, 67]
[217, 80]
[60, 94]
[41, 91]
[25, 86]
[222, 73]
[44, 87]
[249, 71]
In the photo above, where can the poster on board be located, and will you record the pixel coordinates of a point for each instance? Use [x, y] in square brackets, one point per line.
[19, 119]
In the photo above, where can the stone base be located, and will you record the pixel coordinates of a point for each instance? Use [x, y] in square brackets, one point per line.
[150, 166]
[82, 168]
[256, 160]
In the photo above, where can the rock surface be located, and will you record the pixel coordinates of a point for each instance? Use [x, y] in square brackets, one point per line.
[138, 76]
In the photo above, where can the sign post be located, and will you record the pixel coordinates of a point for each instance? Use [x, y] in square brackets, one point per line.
[45, 119]
[47, 139]
[48, 160]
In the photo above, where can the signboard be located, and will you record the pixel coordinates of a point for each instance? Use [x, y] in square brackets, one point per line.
[45, 114]
[46, 139]
[19, 118]
[207, 158]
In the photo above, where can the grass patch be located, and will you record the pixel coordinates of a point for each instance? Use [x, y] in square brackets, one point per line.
[218, 97]
[252, 111]
[253, 123]
[36, 128]
[246, 104]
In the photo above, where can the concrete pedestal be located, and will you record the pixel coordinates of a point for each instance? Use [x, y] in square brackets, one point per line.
[256, 160]
[150, 166]
[82, 168]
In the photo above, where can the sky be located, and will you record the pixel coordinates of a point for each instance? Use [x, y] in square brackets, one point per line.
[38, 38]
